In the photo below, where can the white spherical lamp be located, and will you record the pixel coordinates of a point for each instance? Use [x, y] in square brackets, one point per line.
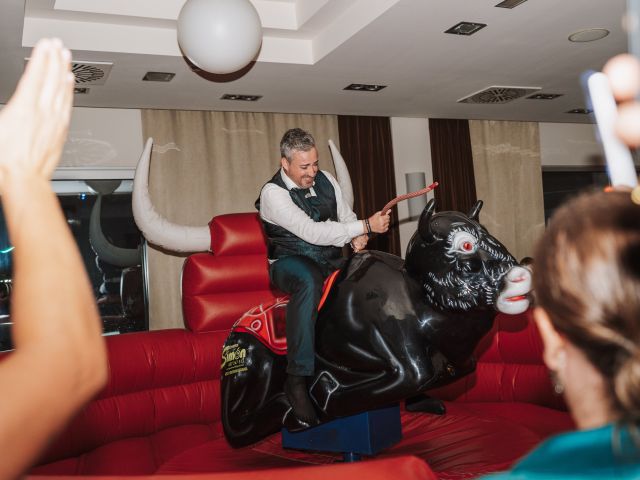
[219, 36]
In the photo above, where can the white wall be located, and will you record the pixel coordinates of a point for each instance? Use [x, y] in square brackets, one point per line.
[569, 144]
[106, 139]
[411, 153]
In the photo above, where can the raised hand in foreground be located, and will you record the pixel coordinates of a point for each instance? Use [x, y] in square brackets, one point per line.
[59, 361]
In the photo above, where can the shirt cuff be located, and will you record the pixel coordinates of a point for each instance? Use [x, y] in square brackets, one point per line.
[355, 228]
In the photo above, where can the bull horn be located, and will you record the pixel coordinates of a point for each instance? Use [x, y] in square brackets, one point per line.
[475, 210]
[155, 228]
[106, 251]
[342, 174]
[103, 187]
[423, 224]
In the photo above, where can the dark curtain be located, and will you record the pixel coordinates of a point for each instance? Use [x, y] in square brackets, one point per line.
[452, 163]
[365, 144]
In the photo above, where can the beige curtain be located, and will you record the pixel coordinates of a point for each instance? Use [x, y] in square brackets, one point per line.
[208, 163]
[508, 175]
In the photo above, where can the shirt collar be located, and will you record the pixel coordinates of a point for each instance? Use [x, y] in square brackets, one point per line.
[288, 182]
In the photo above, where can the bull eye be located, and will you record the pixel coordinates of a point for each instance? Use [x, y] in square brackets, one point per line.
[463, 242]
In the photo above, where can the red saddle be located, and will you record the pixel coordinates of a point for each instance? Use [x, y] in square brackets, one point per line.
[266, 322]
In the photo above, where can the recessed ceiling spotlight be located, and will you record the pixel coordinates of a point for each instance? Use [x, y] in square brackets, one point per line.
[364, 87]
[80, 90]
[544, 96]
[466, 28]
[588, 35]
[158, 76]
[510, 3]
[580, 111]
[241, 98]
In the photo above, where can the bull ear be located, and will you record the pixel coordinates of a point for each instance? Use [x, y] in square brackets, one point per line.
[475, 210]
[423, 223]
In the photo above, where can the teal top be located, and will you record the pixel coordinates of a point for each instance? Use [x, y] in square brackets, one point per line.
[601, 453]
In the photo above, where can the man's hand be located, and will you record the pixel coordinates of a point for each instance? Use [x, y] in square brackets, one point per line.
[359, 243]
[380, 223]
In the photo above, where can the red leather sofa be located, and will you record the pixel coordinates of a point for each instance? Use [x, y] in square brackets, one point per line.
[160, 412]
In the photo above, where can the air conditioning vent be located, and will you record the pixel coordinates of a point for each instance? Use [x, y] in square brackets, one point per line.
[91, 73]
[498, 95]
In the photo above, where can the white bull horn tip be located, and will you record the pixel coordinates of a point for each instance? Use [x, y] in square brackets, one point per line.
[155, 228]
[342, 174]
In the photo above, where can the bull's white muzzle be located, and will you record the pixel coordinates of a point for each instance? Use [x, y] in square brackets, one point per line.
[513, 298]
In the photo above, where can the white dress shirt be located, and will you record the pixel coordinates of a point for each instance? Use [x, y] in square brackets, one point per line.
[277, 207]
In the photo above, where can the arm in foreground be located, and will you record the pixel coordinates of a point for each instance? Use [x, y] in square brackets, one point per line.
[59, 361]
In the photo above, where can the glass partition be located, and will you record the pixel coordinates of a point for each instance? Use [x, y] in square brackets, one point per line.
[100, 217]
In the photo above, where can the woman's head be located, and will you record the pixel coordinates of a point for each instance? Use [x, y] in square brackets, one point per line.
[587, 281]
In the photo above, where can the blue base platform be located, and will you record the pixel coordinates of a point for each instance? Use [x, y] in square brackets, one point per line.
[363, 434]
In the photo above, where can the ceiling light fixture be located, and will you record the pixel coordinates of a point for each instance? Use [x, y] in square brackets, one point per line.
[158, 76]
[219, 36]
[241, 98]
[510, 3]
[498, 94]
[588, 35]
[544, 96]
[580, 111]
[364, 87]
[466, 28]
[80, 90]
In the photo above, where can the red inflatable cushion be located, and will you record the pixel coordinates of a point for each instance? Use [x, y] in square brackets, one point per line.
[237, 234]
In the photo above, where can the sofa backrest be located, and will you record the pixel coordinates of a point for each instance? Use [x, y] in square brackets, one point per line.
[510, 367]
[218, 288]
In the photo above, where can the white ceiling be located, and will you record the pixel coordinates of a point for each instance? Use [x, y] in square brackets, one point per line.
[312, 49]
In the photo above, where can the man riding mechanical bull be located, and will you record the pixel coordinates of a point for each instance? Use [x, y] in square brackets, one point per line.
[388, 330]
[307, 223]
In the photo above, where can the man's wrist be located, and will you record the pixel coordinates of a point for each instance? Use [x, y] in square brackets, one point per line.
[368, 225]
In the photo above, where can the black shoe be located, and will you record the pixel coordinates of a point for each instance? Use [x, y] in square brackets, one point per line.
[295, 388]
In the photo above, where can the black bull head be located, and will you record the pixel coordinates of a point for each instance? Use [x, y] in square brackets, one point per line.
[388, 330]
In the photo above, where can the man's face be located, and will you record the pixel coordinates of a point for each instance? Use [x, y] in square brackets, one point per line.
[303, 167]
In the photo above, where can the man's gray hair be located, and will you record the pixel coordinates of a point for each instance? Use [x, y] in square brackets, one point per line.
[296, 139]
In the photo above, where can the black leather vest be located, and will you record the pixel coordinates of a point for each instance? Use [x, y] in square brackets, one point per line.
[281, 242]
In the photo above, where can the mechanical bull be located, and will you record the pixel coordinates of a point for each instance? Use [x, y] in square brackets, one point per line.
[388, 330]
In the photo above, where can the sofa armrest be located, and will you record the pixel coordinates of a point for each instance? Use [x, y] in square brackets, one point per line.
[157, 380]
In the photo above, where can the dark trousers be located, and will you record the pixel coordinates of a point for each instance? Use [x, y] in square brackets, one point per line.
[302, 279]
